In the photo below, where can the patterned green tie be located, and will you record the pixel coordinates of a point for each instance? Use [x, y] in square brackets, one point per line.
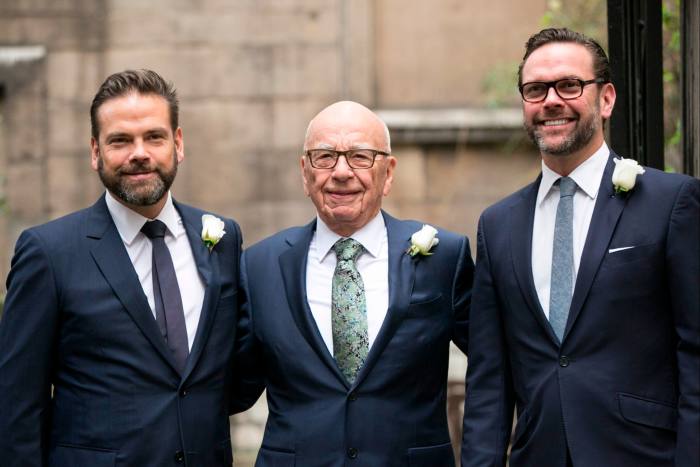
[349, 310]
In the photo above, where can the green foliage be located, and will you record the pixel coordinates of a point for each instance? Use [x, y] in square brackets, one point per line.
[586, 16]
[670, 23]
[500, 86]
[3, 201]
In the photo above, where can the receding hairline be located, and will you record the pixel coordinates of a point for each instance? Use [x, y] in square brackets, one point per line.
[342, 105]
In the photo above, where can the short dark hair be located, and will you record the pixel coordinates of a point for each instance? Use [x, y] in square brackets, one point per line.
[139, 81]
[601, 64]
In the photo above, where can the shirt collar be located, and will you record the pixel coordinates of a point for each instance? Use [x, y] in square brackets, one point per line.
[129, 222]
[587, 175]
[370, 236]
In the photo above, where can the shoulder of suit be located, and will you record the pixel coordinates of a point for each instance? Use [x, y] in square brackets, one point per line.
[505, 203]
[658, 184]
[62, 228]
[283, 237]
[192, 210]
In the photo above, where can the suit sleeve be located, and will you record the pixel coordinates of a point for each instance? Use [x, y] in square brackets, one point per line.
[248, 375]
[683, 266]
[28, 333]
[462, 294]
[488, 407]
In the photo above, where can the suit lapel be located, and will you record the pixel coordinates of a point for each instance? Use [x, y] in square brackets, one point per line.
[606, 213]
[208, 267]
[293, 268]
[522, 218]
[401, 278]
[111, 257]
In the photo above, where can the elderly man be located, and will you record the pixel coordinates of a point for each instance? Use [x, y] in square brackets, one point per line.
[351, 319]
[586, 310]
[117, 334]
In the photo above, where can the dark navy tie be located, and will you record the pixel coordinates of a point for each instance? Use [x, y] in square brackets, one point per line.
[562, 279]
[166, 293]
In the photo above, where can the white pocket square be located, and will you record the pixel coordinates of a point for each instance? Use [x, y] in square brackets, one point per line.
[614, 250]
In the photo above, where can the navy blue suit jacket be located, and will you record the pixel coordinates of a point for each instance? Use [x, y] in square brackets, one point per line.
[76, 318]
[395, 412]
[623, 387]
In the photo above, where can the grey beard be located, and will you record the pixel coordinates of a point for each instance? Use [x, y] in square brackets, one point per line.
[146, 196]
[578, 139]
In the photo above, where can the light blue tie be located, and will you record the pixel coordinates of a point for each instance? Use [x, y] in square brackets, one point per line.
[349, 310]
[562, 279]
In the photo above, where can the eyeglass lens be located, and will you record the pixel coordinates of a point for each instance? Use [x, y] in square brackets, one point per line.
[356, 159]
[565, 88]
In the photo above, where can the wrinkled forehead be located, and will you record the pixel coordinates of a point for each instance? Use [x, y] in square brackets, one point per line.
[344, 138]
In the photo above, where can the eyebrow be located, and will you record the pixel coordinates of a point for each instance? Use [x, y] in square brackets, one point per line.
[124, 134]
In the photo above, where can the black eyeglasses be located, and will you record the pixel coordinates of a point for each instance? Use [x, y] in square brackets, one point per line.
[356, 158]
[567, 88]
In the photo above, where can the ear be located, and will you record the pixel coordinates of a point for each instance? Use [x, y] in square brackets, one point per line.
[94, 153]
[389, 180]
[304, 175]
[179, 145]
[607, 100]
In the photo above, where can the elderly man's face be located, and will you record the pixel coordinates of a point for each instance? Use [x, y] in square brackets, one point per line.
[346, 199]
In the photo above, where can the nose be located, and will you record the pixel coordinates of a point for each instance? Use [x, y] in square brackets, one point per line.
[342, 170]
[139, 150]
[552, 98]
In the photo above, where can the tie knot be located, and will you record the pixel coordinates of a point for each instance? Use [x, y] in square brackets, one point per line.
[347, 249]
[154, 229]
[567, 187]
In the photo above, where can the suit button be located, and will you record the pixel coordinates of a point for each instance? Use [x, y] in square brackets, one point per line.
[352, 453]
[564, 361]
[183, 392]
[179, 456]
[353, 396]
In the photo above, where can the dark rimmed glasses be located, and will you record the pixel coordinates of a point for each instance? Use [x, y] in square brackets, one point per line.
[356, 158]
[567, 88]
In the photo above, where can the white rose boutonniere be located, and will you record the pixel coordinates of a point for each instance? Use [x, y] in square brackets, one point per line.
[625, 174]
[423, 241]
[212, 230]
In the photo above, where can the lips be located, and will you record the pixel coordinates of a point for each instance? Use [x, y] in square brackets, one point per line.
[138, 175]
[340, 196]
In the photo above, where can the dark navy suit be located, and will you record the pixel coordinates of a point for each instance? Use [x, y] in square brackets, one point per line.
[395, 412]
[76, 317]
[623, 388]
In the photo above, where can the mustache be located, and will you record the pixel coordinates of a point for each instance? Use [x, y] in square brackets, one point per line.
[553, 114]
[136, 167]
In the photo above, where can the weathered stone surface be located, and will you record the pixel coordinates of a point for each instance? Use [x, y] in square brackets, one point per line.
[73, 76]
[26, 194]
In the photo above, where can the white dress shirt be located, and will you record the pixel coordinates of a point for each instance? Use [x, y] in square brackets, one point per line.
[140, 251]
[588, 178]
[373, 266]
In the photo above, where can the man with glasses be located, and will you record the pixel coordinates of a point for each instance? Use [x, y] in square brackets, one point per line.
[351, 316]
[586, 309]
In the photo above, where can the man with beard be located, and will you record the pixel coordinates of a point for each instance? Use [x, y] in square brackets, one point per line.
[118, 328]
[585, 312]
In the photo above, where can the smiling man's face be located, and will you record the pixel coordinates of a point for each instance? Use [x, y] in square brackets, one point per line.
[137, 153]
[571, 128]
[346, 199]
